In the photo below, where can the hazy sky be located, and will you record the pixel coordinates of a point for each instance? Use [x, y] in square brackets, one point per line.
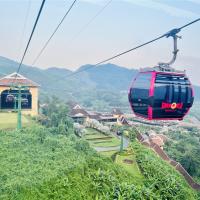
[122, 25]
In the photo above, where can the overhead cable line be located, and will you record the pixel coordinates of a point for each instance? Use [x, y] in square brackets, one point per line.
[189, 23]
[91, 20]
[35, 24]
[47, 42]
[173, 31]
[81, 30]
[24, 26]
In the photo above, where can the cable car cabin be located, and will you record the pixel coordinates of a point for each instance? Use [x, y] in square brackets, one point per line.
[161, 95]
[10, 98]
[24, 102]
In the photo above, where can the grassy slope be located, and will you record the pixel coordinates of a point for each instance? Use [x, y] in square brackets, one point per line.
[9, 120]
[161, 177]
[131, 168]
[38, 165]
[101, 139]
[108, 153]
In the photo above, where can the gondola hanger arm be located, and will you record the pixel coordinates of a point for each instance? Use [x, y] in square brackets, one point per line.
[167, 66]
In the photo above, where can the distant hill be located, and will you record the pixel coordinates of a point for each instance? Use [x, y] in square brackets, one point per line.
[101, 87]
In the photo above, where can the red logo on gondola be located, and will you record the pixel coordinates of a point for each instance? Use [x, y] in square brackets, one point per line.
[172, 106]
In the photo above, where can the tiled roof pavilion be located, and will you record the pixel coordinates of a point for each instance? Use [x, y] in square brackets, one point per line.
[15, 78]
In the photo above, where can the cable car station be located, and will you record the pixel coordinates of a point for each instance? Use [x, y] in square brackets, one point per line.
[11, 86]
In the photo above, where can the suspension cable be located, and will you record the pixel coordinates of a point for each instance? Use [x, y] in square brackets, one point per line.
[47, 42]
[91, 20]
[35, 24]
[170, 33]
[24, 27]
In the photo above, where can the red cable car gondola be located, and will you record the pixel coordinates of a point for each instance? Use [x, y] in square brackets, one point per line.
[161, 93]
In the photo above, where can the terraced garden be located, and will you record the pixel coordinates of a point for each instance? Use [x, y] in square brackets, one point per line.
[98, 139]
[128, 162]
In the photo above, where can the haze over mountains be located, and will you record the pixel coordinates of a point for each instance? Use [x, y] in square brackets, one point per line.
[99, 88]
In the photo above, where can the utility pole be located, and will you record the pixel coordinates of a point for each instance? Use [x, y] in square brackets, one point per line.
[18, 104]
[15, 104]
[122, 142]
[19, 113]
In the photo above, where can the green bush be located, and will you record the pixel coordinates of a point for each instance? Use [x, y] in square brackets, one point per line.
[162, 179]
[37, 163]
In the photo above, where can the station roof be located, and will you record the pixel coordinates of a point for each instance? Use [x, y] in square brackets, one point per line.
[18, 79]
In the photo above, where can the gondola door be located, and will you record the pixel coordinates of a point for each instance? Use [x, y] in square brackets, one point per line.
[139, 94]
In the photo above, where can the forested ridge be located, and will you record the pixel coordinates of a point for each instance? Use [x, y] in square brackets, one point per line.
[101, 88]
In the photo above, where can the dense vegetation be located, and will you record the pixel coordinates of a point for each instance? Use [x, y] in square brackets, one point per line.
[38, 164]
[50, 162]
[184, 148]
[163, 181]
[183, 143]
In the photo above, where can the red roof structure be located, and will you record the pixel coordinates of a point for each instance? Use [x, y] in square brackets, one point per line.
[18, 79]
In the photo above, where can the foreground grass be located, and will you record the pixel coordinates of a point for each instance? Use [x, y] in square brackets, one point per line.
[9, 121]
[36, 164]
[108, 153]
[132, 168]
[40, 163]
[161, 177]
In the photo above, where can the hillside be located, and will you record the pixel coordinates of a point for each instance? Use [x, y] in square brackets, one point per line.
[39, 164]
[100, 88]
[48, 160]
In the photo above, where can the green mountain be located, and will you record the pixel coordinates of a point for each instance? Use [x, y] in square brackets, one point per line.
[102, 87]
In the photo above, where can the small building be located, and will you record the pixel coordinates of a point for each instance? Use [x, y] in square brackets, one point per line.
[73, 105]
[107, 119]
[77, 113]
[94, 115]
[123, 121]
[80, 115]
[29, 96]
[117, 113]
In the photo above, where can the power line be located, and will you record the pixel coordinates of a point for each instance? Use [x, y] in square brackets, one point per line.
[35, 24]
[79, 32]
[190, 23]
[47, 42]
[173, 31]
[91, 20]
[24, 26]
